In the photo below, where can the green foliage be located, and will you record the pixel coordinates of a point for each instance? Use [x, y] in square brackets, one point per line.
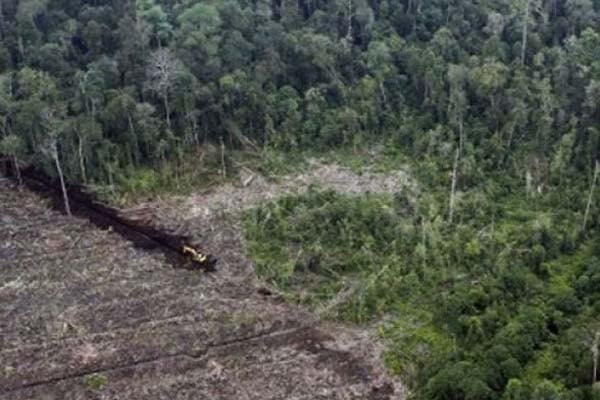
[136, 98]
[94, 382]
[505, 285]
[512, 83]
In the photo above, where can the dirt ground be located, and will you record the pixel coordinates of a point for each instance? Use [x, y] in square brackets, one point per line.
[86, 315]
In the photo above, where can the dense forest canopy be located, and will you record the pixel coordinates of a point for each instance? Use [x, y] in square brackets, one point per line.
[123, 84]
[499, 99]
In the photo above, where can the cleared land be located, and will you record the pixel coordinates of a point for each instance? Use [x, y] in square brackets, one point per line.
[85, 315]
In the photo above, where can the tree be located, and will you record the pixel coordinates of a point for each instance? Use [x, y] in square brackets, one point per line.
[595, 351]
[53, 125]
[356, 13]
[162, 72]
[28, 34]
[547, 390]
[545, 113]
[156, 20]
[380, 63]
[200, 17]
[7, 103]
[87, 132]
[13, 146]
[562, 156]
[453, 187]
[34, 91]
[457, 104]
[490, 80]
[119, 116]
[585, 218]
[581, 13]
[149, 128]
[525, 10]
[516, 390]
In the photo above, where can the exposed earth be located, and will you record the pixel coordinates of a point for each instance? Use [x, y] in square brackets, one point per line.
[86, 315]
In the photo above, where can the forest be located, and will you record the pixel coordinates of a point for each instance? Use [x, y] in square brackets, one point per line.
[485, 283]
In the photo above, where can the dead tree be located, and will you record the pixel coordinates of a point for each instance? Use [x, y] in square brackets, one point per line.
[53, 152]
[590, 197]
[595, 354]
[162, 72]
[453, 189]
[50, 149]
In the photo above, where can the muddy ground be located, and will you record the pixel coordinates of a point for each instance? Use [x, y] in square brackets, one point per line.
[86, 315]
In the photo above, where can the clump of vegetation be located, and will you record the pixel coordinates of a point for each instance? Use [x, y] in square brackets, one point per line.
[94, 381]
[481, 308]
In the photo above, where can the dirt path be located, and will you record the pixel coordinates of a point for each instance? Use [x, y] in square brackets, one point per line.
[85, 315]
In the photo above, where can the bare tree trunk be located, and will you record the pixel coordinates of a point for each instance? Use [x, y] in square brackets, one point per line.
[167, 110]
[453, 190]
[195, 131]
[81, 159]
[17, 170]
[21, 47]
[525, 29]
[223, 170]
[62, 180]
[349, 31]
[590, 197]
[111, 180]
[511, 133]
[383, 95]
[595, 354]
[461, 137]
[136, 153]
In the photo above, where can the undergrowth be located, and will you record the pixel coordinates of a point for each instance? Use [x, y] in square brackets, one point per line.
[486, 306]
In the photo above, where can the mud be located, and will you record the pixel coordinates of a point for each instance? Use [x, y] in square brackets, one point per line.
[141, 233]
[85, 314]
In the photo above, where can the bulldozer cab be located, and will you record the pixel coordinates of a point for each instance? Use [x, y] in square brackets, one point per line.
[198, 257]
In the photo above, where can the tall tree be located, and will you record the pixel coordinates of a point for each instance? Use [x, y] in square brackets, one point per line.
[457, 104]
[54, 128]
[155, 19]
[525, 11]
[13, 146]
[162, 72]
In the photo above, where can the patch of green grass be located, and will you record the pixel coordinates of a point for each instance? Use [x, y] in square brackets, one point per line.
[95, 382]
[8, 371]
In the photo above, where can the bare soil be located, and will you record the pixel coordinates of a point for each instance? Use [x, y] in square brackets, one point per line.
[86, 315]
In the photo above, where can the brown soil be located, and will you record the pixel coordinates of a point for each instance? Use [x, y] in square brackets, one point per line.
[86, 315]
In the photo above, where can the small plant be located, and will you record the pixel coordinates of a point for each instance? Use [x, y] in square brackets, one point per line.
[8, 371]
[94, 381]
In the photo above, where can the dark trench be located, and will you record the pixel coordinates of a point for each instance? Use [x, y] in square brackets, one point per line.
[141, 234]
